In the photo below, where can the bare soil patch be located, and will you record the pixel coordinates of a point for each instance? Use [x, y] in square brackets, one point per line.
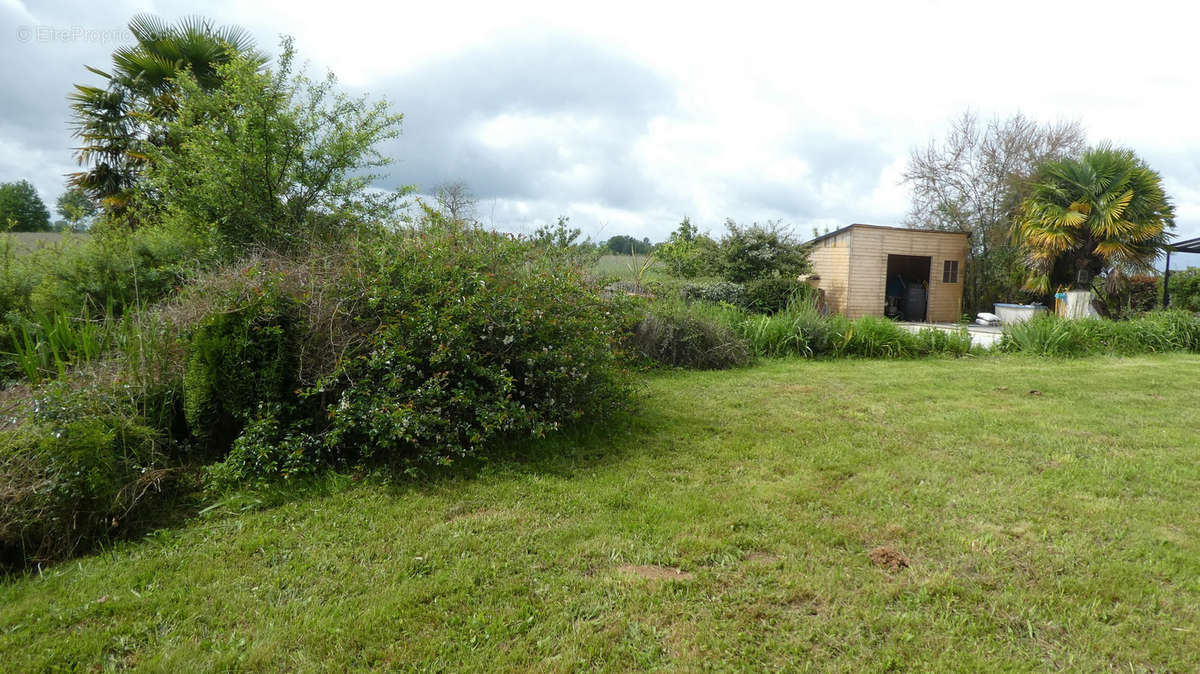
[887, 558]
[655, 572]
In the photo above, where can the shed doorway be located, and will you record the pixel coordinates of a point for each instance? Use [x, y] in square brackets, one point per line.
[906, 294]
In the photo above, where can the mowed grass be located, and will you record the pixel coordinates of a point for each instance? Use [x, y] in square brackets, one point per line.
[1048, 510]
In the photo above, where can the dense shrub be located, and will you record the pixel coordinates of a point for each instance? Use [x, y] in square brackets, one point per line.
[1138, 295]
[761, 251]
[770, 295]
[674, 336]
[1185, 289]
[462, 337]
[86, 467]
[243, 355]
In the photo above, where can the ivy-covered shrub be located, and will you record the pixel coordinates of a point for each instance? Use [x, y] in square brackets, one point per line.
[241, 356]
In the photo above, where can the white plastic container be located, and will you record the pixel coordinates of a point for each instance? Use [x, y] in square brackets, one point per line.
[1017, 313]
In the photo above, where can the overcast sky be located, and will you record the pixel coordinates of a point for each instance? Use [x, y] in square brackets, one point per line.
[628, 116]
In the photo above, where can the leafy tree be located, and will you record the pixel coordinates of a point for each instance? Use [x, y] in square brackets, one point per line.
[21, 207]
[271, 158]
[627, 245]
[761, 251]
[688, 253]
[1184, 289]
[1104, 214]
[974, 181]
[140, 96]
[558, 235]
[75, 208]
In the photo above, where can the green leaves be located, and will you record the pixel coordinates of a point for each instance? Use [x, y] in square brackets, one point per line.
[140, 95]
[1105, 213]
[22, 208]
[270, 159]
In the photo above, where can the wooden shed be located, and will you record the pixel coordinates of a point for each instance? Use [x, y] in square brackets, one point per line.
[910, 274]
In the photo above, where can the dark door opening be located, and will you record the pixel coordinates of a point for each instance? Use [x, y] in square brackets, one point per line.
[906, 294]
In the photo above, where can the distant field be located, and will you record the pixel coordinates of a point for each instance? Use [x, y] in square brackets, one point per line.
[625, 267]
[27, 242]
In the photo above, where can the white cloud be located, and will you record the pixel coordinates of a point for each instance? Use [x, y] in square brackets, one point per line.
[804, 112]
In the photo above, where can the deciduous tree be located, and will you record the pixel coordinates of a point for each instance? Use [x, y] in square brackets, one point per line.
[75, 208]
[974, 181]
[22, 208]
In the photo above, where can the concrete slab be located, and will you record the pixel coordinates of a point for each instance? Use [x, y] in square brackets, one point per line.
[986, 336]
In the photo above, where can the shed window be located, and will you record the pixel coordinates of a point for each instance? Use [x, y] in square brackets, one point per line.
[950, 271]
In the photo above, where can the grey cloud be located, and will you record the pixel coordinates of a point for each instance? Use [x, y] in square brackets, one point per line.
[538, 76]
[836, 165]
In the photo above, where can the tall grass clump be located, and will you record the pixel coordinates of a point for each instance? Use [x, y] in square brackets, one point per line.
[1154, 332]
[679, 335]
[872, 337]
[798, 330]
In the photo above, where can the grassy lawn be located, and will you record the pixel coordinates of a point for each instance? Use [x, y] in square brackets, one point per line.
[1047, 510]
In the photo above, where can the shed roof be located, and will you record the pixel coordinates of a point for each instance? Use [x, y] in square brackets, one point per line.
[902, 229]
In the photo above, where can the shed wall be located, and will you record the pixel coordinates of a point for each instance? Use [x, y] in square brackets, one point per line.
[853, 266]
[831, 261]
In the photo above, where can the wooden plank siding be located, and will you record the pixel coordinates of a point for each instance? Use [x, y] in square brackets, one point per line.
[853, 264]
[831, 261]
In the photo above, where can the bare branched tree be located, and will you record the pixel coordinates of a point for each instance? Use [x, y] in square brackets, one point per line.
[974, 181]
[455, 201]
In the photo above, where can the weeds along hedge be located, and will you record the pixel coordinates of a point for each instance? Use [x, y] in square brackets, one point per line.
[1155, 332]
[676, 337]
[61, 305]
[697, 334]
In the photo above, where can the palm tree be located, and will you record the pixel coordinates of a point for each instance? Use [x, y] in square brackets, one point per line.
[139, 94]
[1103, 214]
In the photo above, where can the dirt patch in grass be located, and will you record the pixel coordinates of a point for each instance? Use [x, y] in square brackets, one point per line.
[655, 572]
[887, 558]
